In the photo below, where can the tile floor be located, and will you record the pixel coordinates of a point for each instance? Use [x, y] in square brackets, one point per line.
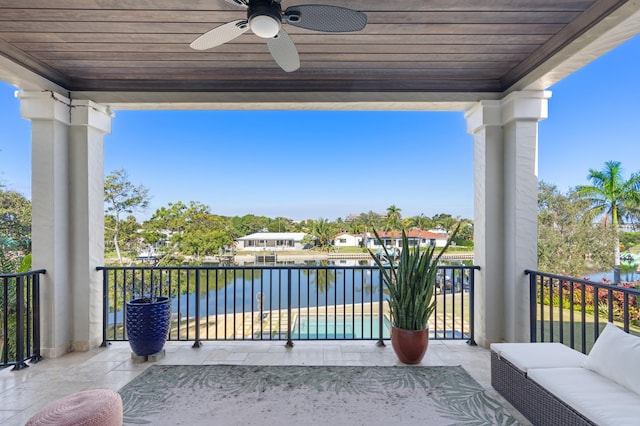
[24, 392]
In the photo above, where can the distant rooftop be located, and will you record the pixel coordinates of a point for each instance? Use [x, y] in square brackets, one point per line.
[353, 216]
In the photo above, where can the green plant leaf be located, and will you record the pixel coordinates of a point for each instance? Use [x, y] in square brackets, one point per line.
[411, 281]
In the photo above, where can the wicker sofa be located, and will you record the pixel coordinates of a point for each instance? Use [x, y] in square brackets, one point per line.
[551, 384]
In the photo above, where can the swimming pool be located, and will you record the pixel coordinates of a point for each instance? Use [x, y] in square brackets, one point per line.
[343, 327]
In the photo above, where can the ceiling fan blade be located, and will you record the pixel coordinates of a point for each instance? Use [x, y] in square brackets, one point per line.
[284, 52]
[319, 17]
[241, 3]
[220, 35]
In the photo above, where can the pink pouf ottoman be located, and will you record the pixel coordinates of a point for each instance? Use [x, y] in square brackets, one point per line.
[99, 407]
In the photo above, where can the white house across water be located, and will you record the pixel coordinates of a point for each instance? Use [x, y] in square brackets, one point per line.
[345, 239]
[414, 238]
[271, 241]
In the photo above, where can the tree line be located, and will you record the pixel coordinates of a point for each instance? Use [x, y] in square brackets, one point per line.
[193, 230]
[580, 231]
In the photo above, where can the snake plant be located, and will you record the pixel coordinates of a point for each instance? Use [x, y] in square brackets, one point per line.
[411, 280]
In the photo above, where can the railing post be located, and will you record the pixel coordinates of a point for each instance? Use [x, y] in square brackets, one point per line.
[625, 314]
[472, 315]
[380, 343]
[572, 332]
[533, 318]
[289, 343]
[20, 364]
[609, 306]
[105, 306]
[35, 357]
[197, 343]
[583, 316]
[4, 357]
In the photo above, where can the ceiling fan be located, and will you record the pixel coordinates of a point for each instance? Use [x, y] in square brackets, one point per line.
[265, 18]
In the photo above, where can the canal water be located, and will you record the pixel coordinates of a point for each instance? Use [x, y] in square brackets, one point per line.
[269, 290]
[608, 275]
[254, 290]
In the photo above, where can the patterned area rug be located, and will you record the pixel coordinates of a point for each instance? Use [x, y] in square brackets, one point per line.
[305, 395]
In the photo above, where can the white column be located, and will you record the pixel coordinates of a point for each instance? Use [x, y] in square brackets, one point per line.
[49, 115]
[89, 123]
[484, 122]
[505, 211]
[67, 218]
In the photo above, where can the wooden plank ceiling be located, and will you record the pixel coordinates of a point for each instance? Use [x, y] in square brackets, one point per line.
[407, 45]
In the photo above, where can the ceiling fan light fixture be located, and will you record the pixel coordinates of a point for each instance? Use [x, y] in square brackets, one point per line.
[264, 26]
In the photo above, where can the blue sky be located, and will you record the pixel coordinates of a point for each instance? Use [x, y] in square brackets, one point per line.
[311, 164]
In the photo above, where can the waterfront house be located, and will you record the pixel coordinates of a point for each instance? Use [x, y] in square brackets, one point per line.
[415, 238]
[271, 241]
[345, 239]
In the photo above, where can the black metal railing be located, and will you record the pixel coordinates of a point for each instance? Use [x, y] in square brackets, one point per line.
[574, 311]
[280, 302]
[20, 322]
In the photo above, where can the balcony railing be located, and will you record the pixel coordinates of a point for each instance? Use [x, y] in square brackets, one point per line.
[280, 302]
[574, 311]
[20, 321]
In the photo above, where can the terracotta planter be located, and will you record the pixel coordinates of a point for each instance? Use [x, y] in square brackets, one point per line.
[409, 345]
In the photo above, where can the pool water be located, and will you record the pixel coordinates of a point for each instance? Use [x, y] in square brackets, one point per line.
[341, 327]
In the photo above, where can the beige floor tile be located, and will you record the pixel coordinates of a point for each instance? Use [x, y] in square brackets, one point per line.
[23, 392]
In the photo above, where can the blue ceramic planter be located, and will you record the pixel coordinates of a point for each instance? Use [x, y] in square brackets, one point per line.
[148, 325]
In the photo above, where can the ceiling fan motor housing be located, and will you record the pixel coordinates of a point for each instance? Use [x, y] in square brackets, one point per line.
[265, 17]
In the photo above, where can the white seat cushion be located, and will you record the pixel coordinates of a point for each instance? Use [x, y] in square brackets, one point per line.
[525, 356]
[597, 398]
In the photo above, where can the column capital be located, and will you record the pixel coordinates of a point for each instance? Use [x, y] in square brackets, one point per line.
[49, 105]
[44, 105]
[484, 113]
[526, 105]
[90, 114]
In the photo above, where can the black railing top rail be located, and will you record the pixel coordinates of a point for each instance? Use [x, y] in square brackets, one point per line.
[24, 274]
[253, 267]
[596, 284]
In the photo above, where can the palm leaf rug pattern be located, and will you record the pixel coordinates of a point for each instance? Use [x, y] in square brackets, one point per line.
[191, 394]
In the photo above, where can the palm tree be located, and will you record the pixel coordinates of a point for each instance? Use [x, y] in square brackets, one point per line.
[613, 197]
[355, 227]
[445, 221]
[394, 221]
[322, 230]
[370, 220]
[420, 222]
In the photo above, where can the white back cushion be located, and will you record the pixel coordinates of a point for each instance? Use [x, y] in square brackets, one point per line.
[616, 356]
